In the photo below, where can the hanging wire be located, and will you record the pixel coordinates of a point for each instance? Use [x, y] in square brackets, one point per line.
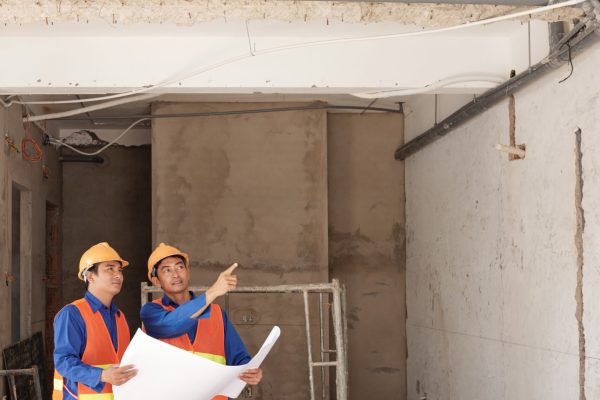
[570, 63]
[29, 141]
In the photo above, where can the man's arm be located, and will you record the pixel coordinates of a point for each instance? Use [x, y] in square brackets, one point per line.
[69, 345]
[225, 282]
[236, 353]
[235, 350]
[161, 323]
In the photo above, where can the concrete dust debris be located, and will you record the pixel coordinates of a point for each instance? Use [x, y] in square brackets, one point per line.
[184, 12]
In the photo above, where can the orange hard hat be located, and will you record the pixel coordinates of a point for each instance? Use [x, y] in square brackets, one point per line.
[98, 253]
[163, 251]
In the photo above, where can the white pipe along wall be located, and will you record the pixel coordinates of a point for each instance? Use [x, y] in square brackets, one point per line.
[492, 258]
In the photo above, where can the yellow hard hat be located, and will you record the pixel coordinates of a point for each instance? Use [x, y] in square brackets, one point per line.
[98, 253]
[161, 252]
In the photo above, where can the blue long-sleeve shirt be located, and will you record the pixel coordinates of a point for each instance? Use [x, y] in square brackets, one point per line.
[70, 338]
[160, 323]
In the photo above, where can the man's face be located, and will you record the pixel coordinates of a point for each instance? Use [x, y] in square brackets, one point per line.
[108, 277]
[172, 275]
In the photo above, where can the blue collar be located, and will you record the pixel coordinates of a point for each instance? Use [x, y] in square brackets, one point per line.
[168, 302]
[96, 304]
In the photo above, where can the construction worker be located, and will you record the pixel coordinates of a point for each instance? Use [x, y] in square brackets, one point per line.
[91, 334]
[191, 322]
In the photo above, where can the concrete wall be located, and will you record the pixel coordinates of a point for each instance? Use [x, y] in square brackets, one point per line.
[366, 248]
[491, 253]
[36, 191]
[251, 189]
[258, 189]
[108, 202]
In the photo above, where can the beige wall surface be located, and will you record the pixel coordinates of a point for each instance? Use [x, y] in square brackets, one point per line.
[36, 191]
[254, 189]
[366, 248]
[108, 202]
[492, 257]
[251, 189]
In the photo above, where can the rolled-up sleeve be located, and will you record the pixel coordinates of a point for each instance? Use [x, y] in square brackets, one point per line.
[161, 323]
[69, 345]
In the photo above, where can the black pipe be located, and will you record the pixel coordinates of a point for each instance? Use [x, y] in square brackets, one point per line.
[316, 106]
[83, 159]
[576, 40]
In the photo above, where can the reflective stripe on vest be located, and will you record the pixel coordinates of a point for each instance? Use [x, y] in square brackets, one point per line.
[99, 351]
[210, 337]
[211, 357]
[96, 396]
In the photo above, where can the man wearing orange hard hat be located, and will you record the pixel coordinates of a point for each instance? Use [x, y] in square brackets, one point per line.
[91, 334]
[192, 322]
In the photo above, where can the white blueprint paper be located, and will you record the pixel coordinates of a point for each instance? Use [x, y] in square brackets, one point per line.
[167, 372]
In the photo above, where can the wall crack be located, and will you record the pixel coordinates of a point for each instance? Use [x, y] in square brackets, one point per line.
[580, 219]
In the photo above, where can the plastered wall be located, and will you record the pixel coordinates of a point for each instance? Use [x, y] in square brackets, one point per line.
[251, 189]
[108, 202]
[36, 192]
[366, 248]
[491, 250]
[285, 194]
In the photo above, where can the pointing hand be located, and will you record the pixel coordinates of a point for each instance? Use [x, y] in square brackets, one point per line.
[226, 282]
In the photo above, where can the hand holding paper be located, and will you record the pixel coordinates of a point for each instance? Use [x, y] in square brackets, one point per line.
[165, 371]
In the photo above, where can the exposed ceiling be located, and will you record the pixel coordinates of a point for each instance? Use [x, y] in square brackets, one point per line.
[189, 12]
[265, 51]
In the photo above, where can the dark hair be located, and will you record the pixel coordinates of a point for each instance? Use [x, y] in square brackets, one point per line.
[94, 270]
[155, 268]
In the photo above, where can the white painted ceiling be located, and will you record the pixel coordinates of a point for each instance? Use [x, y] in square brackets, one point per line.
[233, 59]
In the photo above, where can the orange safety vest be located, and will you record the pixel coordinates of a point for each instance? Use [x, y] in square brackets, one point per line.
[99, 351]
[209, 342]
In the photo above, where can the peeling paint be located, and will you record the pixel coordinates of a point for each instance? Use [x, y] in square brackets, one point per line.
[189, 12]
[83, 138]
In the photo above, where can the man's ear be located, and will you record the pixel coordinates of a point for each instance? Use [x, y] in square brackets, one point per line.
[155, 281]
[90, 276]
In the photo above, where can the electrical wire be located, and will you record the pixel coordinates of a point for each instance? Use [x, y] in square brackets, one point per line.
[60, 143]
[570, 64]
[106, 146]
[431, 87]
[29, 141]
[96, 107]
[314, 106]
[310, 44]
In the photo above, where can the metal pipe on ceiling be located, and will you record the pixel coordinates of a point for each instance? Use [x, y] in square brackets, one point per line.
[579, 38]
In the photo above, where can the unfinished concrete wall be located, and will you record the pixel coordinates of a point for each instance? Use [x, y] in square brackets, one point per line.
[251, 189]
[492, 265]
[366, 248]
[108, 202]
[36, 191]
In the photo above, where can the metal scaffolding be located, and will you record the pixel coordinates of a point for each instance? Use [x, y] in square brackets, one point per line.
[33, 372]
[338, 312]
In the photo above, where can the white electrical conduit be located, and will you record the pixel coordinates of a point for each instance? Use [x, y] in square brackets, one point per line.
[433, 86]
[311, 44]
[106, 146]
[100, 106]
